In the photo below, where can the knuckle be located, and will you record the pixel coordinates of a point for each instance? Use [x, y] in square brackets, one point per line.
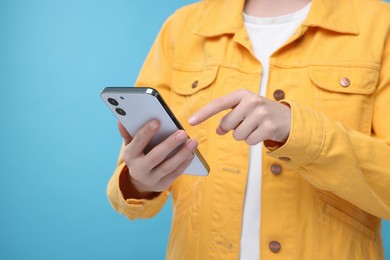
[138, 141]
[259, 113]
[156, 157]
[255, 101]
[165, 169]
[244, 92]
[270, 126]
[126, 155]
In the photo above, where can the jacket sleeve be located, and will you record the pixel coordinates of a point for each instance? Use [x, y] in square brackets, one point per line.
[132, 208]
[156, 72]
[332, 157]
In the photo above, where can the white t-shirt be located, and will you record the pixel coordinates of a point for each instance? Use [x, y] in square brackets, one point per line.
[266, 35]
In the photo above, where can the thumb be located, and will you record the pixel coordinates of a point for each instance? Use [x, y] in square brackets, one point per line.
[125, 135]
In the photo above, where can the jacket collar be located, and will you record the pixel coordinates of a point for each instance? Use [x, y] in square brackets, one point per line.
[225, 17]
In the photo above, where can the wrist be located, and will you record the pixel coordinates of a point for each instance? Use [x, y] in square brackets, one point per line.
[130, 190]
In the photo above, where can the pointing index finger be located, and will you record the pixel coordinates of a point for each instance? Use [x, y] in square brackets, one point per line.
[214, 107]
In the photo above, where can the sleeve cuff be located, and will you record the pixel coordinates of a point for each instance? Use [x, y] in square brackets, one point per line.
[133, 208]
[306, 137]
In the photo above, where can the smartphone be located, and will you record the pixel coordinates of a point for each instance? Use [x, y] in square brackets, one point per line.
[134, 107]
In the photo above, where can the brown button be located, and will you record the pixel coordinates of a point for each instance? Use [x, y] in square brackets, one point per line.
[195, 84]
[274, 246]
[345, 82]
[286, 159]
[276, 169]
[278, 94]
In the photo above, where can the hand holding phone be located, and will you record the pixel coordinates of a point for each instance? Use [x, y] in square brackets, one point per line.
[154, 172]
[160, 149]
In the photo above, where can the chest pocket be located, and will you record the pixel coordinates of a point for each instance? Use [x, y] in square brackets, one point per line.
[344, 93]
[192, 90]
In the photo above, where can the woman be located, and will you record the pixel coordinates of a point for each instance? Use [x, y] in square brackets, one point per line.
[303, 88]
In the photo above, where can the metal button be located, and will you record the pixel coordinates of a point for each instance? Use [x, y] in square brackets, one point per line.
[278, 94]
[195, 83]
[286, 159]
[276, 169]
[274, 246]
[345, 82]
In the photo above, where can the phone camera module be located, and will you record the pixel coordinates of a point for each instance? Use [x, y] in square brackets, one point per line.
[120, 111]
[113, 102]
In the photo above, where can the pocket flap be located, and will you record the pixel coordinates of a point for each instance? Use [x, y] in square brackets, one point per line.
[356, 80]
[186, 82]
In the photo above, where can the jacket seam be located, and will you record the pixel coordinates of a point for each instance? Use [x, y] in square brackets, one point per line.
[321, 145]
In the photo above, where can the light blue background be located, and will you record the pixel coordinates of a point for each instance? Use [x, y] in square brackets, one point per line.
[58, 142]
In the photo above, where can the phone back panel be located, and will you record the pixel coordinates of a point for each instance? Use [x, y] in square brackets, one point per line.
[134, 107]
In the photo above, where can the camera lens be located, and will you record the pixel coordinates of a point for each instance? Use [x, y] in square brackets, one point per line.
[120, 111]
[113, 102]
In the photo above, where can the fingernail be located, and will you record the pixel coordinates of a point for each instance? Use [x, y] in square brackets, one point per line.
[181, 136]
[153, 125]
[192, 120]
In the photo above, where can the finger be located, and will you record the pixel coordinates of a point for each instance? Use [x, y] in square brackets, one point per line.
[173, 162]
[221, 131]
[214, 107]
[246, 128]
[232, 120]
[165, 148]
[142, 139]
[255, 137]
[168, 179]
[125, 135]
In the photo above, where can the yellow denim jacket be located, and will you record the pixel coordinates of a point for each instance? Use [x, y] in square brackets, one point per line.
[331, 186]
